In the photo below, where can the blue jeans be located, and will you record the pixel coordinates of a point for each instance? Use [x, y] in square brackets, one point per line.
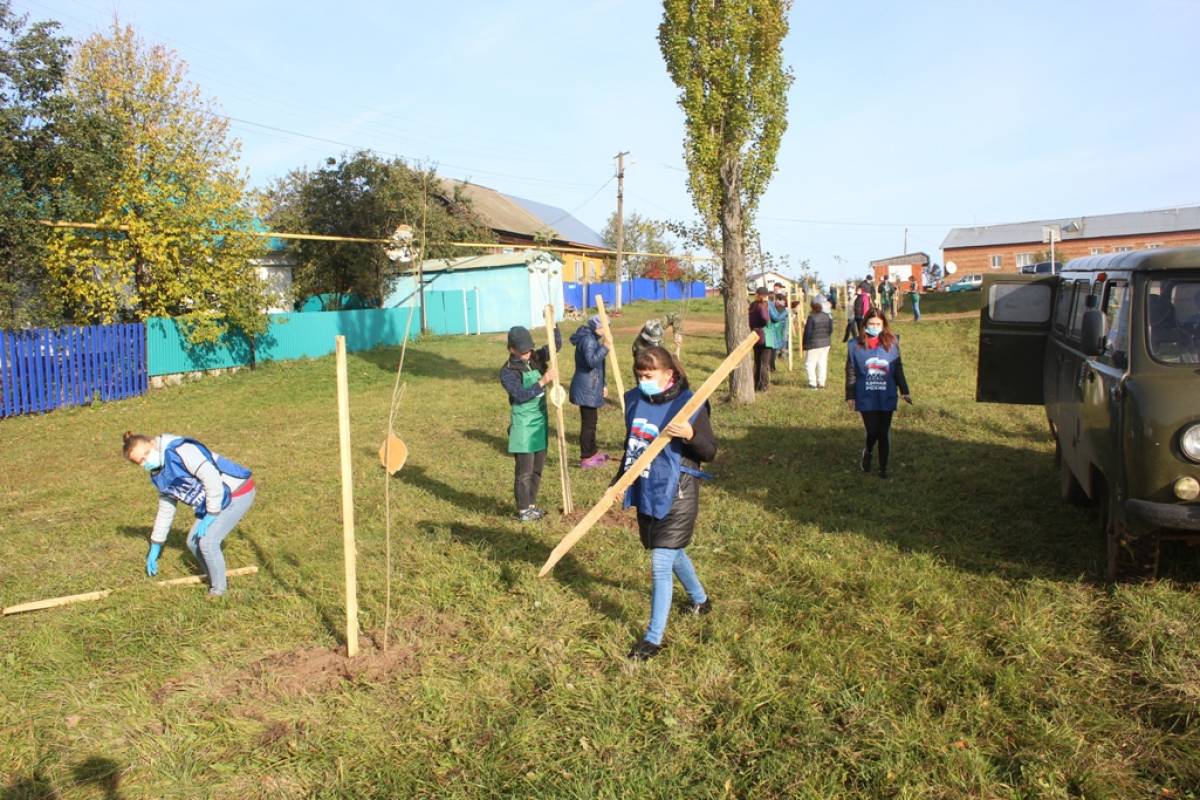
[208, 550]
[666, 563]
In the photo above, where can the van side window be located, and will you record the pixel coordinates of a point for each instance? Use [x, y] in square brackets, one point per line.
[1020, 303]
[1081, 295]
[1062, 312]
[1116, 318]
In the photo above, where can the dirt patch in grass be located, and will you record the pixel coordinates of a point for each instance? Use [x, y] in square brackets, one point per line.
[615, 517]
[309, 670]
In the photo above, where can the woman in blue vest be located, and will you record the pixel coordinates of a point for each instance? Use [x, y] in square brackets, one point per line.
[218, 491]
[667, 494]
[874, 373]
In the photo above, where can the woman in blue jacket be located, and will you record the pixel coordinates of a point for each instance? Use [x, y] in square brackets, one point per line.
[874, 377]
[588, 389]
[218, 491]
[667, 493]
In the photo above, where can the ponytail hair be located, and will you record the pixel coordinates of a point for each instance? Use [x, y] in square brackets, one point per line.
[131, 440]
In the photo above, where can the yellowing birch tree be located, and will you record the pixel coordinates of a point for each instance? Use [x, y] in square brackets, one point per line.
[172, 213]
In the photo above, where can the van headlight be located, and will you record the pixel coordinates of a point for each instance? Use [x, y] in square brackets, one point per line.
[1189, 443]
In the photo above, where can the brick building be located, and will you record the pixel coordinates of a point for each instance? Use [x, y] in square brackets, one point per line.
[901, 270]
[1006, 248]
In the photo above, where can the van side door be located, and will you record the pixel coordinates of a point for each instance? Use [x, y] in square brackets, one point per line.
[1101, 385]
[1014, 322]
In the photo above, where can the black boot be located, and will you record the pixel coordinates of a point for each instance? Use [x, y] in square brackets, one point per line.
[644, 651]
[866, 460]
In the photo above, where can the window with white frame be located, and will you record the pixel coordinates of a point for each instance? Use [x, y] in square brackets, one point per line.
[997, 262]
[1154, 245]
[1097, 251]
[1024, 259]
[1122, 248]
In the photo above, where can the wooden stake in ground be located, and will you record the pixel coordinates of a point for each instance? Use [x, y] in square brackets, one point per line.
[349, 555]
[557, 397]
[791, 325]
[617, 490]
[612, 352]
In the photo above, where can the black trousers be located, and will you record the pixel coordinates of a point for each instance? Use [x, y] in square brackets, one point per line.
[762, 368]
[528, 477]
[878, 425]
[774, 355]
[587, 431]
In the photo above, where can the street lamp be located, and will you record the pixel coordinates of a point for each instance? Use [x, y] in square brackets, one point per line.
[1052, 234]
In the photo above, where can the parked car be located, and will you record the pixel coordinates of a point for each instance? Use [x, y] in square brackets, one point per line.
[1118, 341]
[967, 283]
[1042, 268]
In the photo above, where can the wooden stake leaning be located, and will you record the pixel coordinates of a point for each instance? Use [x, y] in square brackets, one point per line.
[617, 490]
[612, 353]
[348, 552]
[790, 325]
[55, 602]
[557, 398]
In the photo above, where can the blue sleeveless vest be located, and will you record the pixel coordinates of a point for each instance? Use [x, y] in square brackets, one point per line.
[653, 493]
[875, 387]
[174, 481]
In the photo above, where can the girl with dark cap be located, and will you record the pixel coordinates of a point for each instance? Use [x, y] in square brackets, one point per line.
[667, 494]
[525, 377]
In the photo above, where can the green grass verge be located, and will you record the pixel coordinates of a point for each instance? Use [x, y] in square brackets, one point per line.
[939, 635]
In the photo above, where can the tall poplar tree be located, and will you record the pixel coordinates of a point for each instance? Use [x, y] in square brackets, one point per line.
[726, 58]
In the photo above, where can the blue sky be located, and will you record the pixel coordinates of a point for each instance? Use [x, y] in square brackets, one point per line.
[919, 114]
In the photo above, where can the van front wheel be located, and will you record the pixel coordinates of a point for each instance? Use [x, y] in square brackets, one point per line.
[1129, 557]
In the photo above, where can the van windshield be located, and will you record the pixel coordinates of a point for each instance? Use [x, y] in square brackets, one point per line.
[1173, 320]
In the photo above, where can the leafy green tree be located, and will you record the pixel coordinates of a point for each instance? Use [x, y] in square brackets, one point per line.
[641, 235]
[173, 235]
[360, 195]
[33, 108]
[726, 58]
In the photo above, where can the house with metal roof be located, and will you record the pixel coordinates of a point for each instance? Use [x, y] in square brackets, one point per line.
[902, 270]
[517, 220]
[1008, 247]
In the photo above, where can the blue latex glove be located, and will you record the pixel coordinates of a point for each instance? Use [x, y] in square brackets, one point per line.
[202, 525]
[152, 558]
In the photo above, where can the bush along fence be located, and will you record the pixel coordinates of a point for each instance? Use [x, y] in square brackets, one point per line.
[42, 369]
[632, 290]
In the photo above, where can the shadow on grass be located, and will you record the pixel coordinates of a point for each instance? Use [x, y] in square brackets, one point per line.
[266, 562]
[480, 504]
[99, 771]
[426, 364]
[505, 546]
[987, 508]
[498, 443]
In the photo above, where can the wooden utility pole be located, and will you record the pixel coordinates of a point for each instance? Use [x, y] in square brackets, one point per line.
[348, 550]
[620, 219]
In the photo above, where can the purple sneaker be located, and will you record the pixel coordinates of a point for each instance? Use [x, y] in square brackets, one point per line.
[598, 460]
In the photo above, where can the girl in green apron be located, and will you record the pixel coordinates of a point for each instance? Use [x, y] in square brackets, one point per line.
[525, 377]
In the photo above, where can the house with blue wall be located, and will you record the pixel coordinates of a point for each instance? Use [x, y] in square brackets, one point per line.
[486, 293]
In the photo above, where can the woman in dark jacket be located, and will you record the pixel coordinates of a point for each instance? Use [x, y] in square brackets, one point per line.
[667, 494]
[588, 389]
[760, 318]
[818, 333]
[874, 376]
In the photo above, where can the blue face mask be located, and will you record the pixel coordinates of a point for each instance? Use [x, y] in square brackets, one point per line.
[649, 388]
[874, 330]
[152, 461]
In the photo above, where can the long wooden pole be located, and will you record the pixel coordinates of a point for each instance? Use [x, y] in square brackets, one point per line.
[790, 325]
[612, 352]
[348, 551]
[617, 490]
[561, 434]
[54, 602]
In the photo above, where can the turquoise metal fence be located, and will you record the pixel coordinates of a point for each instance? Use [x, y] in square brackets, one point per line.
[452, 312]
[289, 336]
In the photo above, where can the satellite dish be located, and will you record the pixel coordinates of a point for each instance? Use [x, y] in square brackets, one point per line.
[951, 268]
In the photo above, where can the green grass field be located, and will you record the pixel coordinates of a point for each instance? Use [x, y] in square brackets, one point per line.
[939, 635]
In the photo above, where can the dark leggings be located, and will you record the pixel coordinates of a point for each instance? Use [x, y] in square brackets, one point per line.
[587, 431]
[528, 477]
[762, 369]
[879, 429]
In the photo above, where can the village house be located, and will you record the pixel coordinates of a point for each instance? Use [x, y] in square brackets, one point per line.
[901, 270]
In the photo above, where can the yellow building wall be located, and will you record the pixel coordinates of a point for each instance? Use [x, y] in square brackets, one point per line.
[576, 265]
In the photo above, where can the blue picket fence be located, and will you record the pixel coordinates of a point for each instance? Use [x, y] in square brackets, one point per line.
[43, 368]
[632, 291]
